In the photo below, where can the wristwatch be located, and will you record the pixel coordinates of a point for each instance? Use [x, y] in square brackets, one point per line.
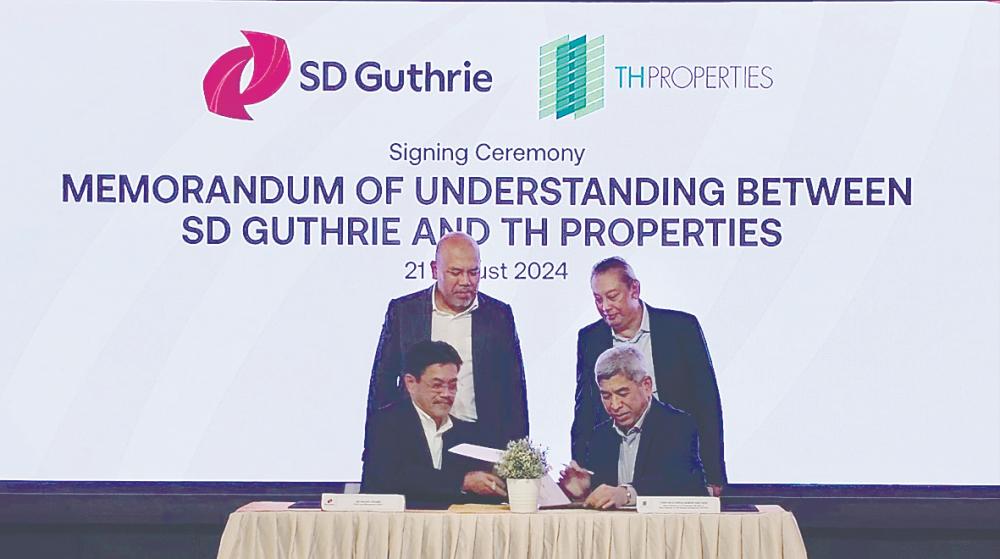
[629, 494]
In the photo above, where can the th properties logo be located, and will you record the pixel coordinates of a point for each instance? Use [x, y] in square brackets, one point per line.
[271, 66]
[571, 77]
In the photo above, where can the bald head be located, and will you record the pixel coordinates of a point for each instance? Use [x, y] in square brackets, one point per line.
[456, 240]
[456, 270]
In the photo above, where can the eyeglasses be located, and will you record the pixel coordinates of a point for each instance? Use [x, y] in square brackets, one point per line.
[442, 388]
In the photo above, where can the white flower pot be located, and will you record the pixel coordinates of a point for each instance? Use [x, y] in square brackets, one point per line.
[523, 495]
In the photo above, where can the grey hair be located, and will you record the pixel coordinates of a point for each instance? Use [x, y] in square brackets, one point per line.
[624, 360]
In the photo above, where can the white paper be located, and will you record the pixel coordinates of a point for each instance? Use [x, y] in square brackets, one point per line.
[483, 453]
[549, 493]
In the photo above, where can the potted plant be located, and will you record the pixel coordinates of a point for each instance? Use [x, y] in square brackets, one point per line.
[522, 465]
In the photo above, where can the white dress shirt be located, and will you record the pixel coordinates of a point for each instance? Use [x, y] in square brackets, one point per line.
[433, 434]
[456, 329]
[643, 341]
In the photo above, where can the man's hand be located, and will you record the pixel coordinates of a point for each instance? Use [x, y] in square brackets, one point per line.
[484, 483]
[574, 481]
[607, 497]
[715, 490]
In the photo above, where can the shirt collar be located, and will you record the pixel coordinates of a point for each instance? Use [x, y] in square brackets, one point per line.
[643, 328]
[428, 422]
[435, 309]
[637, 428]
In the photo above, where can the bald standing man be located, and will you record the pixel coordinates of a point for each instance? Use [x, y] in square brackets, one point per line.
[491, 388]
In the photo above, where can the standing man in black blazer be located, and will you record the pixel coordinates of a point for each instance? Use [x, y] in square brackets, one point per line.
[491, 387]
[646, 448]
[671, 341]
[410, 439]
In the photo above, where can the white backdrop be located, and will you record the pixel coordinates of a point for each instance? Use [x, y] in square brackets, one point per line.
[861, 349]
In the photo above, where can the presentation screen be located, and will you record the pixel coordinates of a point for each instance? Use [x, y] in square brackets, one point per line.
[207, 208]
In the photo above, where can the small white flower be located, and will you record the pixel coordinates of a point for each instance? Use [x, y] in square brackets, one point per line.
[523, 460]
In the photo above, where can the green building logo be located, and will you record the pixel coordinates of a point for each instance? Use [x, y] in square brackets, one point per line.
[571, 77]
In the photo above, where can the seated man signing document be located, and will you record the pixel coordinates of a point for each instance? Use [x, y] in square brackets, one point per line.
[409, 440]
[646, 448]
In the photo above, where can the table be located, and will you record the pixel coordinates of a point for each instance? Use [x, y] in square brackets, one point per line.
[271, 531]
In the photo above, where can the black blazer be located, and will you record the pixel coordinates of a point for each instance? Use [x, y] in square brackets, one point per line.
[667, 462]
[685, 379]
[498, 373]
[399, 460]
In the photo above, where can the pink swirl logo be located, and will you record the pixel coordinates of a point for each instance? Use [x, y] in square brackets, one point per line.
[271, 67]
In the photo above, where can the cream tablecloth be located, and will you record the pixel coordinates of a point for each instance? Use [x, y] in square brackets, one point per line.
[263, 531]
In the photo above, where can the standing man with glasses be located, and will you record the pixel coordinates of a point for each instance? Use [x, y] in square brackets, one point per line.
[671, 342]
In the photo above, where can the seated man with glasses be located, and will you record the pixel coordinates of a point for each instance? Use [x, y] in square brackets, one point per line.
[409, 440]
